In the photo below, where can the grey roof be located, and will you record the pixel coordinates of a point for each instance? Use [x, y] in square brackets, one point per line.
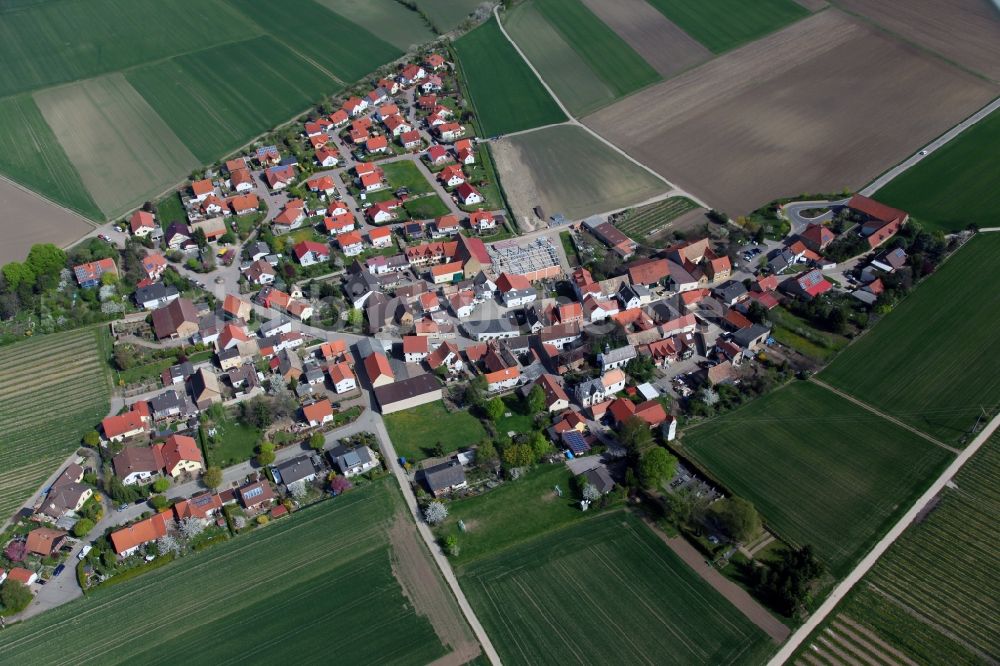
[295, 469]
[445, 475]
[619, 355]
[601, 479]
[154, 292]
[744, 336]
[166, 401]
[272, 325]
[406, 388]
[499, 325]
[730, 290]
[227, 354]
[346, 458]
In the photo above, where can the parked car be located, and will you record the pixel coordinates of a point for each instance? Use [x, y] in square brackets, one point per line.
[58, 570]
[83, 552]
[122, 507]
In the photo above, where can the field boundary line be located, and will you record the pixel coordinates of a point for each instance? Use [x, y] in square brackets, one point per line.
[573, 120]
[869, 560]
[90, 223]
[892, 419]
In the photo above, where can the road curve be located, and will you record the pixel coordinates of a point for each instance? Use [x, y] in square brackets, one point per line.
[803, 632]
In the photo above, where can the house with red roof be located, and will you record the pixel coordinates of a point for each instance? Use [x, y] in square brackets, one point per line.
[142, 223]
[153, 265]
[339, 118]
[468, 195]
[506, 378]
[378, 369]
[318, 413]
[515, 290]
[339, 224]
[380, 237]
[132, 423]
[446, 225]
[354, 106]
[89, 274]
[243, 204]
[280, 177]
[451, 176]
[807, 285]
[411, 74]
[411, 140]
[383, 211]
[322, 184]
[310, 252]
[395, 125]
[377, 144]
[816, 237]
[438, 155]
[202, 507]
[181, 455]
[201, 189]
[327, 156]
[882, 222]
[128, 540]
[434, 62]
[450, 131]
[351, 243]
[240, 180]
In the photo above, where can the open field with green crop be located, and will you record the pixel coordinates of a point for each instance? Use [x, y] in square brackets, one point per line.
[725, 24]
[392, 21]
[277, 590]
[31, 155]
[640, 224]
[505, 93]
[53, 389]
[565, 170]
[563, 69]
[954, 186]
[820, 469]
[46, 43]
[932, 595]
[327, 39]
[932, 361]
[606, 590]
[416, 432]
[218, 99]
[445, 15]
[121, 148]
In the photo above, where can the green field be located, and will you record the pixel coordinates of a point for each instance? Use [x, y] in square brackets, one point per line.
[218, 99]
[505, 93]
[416, 432]
[31, 155]
[721, 25]
[797, 333]
[320, 36]
[445, 15]
[932, 595]
[606, 591]
[46, 43]
[392, 21]
[931, 362]
[820, 470]
[123, 150]
[571, 172]
[53, 389]
[426, 208]
[609, 56]
[283, 589]
[404, 173]
[954, 186]
[640, 224]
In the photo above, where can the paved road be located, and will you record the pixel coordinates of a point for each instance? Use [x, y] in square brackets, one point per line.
[803, 632]
[793, 213]
[884, 179]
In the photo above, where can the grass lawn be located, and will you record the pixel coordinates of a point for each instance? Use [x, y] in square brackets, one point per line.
[155, 369]
[520, 420]
[170, 209]
[793, 331]
[721, 25]
[505, 93]
[606, 591]
[416, 432]
[955, 185]
[329, 565]
[426, 208]
[932, 362]
[234, 443]
[569, 248]
[820, 469]
[513, 513]
[405, 173]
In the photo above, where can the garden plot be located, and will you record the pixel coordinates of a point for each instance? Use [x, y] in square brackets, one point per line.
[640, 224]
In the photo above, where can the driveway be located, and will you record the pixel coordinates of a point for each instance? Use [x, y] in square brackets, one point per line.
[793, 213]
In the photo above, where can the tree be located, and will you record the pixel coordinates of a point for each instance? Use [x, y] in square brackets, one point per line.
[92, 439]
[297, 489]
[591, 493]
[212, 477]
[438, 450]
[159, 502]
[535, 401]
[340, 484]
[256, 412]
[635, 435]
[45, 259]
[191, 527]
[435, 512]
[15, 596]
[641, 368]
[169, 544]
[109, 279]
[161, 485]
[540, 446]
[82, 527]
[786, 583]
[15, 273]
[495, 409]
[656, 466]
[355, 317]
[486, 454]
[736, 517]
[475, 390]
[451, 545]
[518, 455]
[316, 441]
[265, 454]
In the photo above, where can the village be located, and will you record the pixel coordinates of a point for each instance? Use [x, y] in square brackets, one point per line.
[373, 272]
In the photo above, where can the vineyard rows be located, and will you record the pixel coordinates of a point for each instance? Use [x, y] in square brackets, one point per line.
[641, 223]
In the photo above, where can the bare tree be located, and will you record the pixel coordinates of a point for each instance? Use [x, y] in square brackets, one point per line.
[169, 544]
[297, 489]
[435, 513]
[239, 522]
[591, 493]
[191, 527]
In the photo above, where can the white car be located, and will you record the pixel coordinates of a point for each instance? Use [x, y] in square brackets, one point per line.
[923, 152]
[83, 552]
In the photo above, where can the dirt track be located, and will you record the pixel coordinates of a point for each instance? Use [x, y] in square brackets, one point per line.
[827, 103]
[659, 41]
[965, 31]
[26, 219]
[424, 588]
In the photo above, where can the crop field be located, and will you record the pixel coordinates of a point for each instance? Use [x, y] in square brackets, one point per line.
[566, 170]
[931, 362]
[610, 58]
[722, 25]
[820, 470]
[49, 223]
[934, 23]
[392, 21]
[46, 43]
[658, 41]
[954, 186]
[53, 389]
[733, 132]
[650, 220]
[122, 149]
[505, 93]
[606, 590]
[218, 99]
[415, 432]
[932, 595]
[445, 15]
[31, 155]
[329, 568]
[318, 35]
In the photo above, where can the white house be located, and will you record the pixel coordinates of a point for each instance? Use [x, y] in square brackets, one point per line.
[468, 195]
[342, 377]
[503, 379]
[311, 252]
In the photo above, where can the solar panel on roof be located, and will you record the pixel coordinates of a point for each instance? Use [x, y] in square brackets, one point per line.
[576, 443]
[254, 492]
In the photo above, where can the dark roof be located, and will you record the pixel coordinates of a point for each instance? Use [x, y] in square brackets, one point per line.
[575, 442]
[601, 479]
[295, 469]
[744, 336]
[345, 457]
[154, 292]
[730, 290]
[406, 388]
[445, 475]
[167, 319]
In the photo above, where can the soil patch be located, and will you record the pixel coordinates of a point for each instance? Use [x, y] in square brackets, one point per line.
[28, 219]
[800, 110]
[426, 590]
